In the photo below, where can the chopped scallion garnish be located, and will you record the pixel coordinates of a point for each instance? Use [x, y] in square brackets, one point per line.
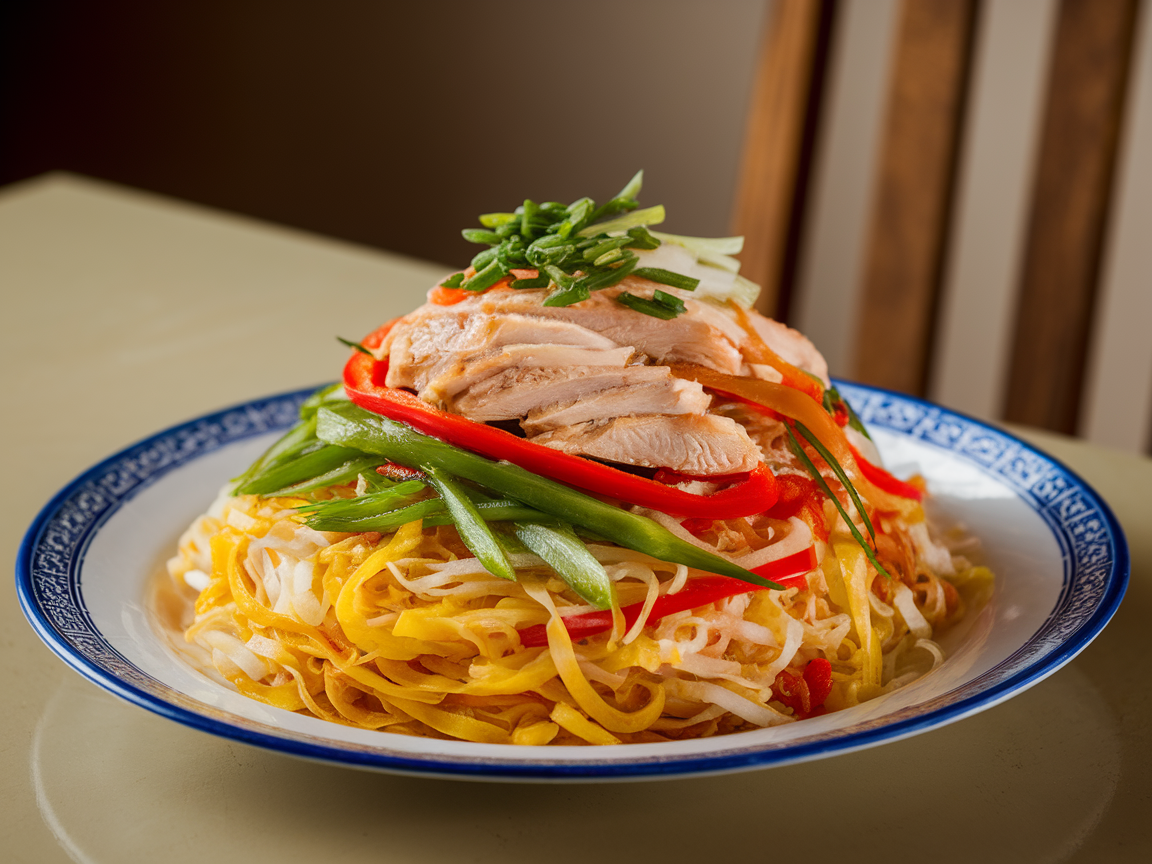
[667, 277]
[661, 305]
[577, 248]
[354, 345]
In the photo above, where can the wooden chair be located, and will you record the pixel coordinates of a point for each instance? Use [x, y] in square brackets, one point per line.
[954, 199]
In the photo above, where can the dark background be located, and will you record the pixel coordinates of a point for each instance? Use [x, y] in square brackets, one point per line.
[384, 123]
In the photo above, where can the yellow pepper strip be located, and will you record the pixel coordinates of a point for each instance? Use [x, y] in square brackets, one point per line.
[343, 697]
[497, 680]
[857, 579]
[217, 593]
[568, 667]
[642, 651]
[447, 622]
[286, 696]
[456, 725]
[364, 676]
[535, 734]
[580, 726]
[352, 614]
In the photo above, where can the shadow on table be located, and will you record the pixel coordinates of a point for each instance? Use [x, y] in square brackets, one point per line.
[1029, 780]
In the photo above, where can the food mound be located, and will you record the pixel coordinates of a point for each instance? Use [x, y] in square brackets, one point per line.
[583, 495]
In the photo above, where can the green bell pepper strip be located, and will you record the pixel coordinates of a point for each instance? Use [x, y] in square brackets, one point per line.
[348, 425]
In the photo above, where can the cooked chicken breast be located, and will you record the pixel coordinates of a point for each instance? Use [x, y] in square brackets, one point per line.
[703, 444]
[591, 378]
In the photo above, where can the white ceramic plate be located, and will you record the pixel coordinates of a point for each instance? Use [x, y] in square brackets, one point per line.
[1060, 560]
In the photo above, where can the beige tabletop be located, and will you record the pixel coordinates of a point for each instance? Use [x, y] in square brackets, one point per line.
[124, 314]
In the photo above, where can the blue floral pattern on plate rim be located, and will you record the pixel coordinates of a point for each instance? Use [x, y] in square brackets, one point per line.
[1095, 560]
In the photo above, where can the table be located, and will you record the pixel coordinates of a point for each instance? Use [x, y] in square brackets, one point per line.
[125, 313]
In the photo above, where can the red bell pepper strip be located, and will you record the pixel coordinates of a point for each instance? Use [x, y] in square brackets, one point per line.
[884, 481]
[799, 496]
[364, 380]
[699, 591]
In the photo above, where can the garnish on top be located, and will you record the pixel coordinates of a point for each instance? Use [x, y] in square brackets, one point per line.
[579, 248]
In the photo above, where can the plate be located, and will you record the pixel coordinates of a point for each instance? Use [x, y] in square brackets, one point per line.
[1060, 559]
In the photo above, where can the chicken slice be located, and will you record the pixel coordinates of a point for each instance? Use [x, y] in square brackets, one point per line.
[651, 394]
[466, 372]
[590, 392]
[432, 341]
[703, 444]
[706, 335]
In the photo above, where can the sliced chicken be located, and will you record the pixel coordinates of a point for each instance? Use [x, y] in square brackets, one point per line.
[583, 392]
[464, 371]
[660, 395]
[705, 335]
[702, 444]
[792, 346]
[435, 339]
[592, 378]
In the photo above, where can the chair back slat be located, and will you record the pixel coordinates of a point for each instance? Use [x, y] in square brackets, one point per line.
[835, 239]
[1117, 409]
[1070, 207]
[783, 106]
[912, 200]
[974, 330]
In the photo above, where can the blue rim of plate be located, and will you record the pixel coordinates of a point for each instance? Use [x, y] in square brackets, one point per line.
[1095, 555]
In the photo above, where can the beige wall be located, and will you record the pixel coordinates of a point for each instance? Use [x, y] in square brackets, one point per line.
[392, 124]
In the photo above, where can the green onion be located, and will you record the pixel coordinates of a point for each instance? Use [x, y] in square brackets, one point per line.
[641, 238]
[356, 345]
[323, 396]
[482, 259]
[431, 510]
[647, 216]
[811, 468]
[576, 240]
[567, 555]
[345, 473]
[486, 278]
[391, 498]
[660, 306]
[536, 282]
[453, 281]
[704, 245]
[473, 530]
[838, 470]
[667, 277]
[562, 296]
[475, 235]
[495, 220]
[528, 218]
[599, 249]
[609, 277]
